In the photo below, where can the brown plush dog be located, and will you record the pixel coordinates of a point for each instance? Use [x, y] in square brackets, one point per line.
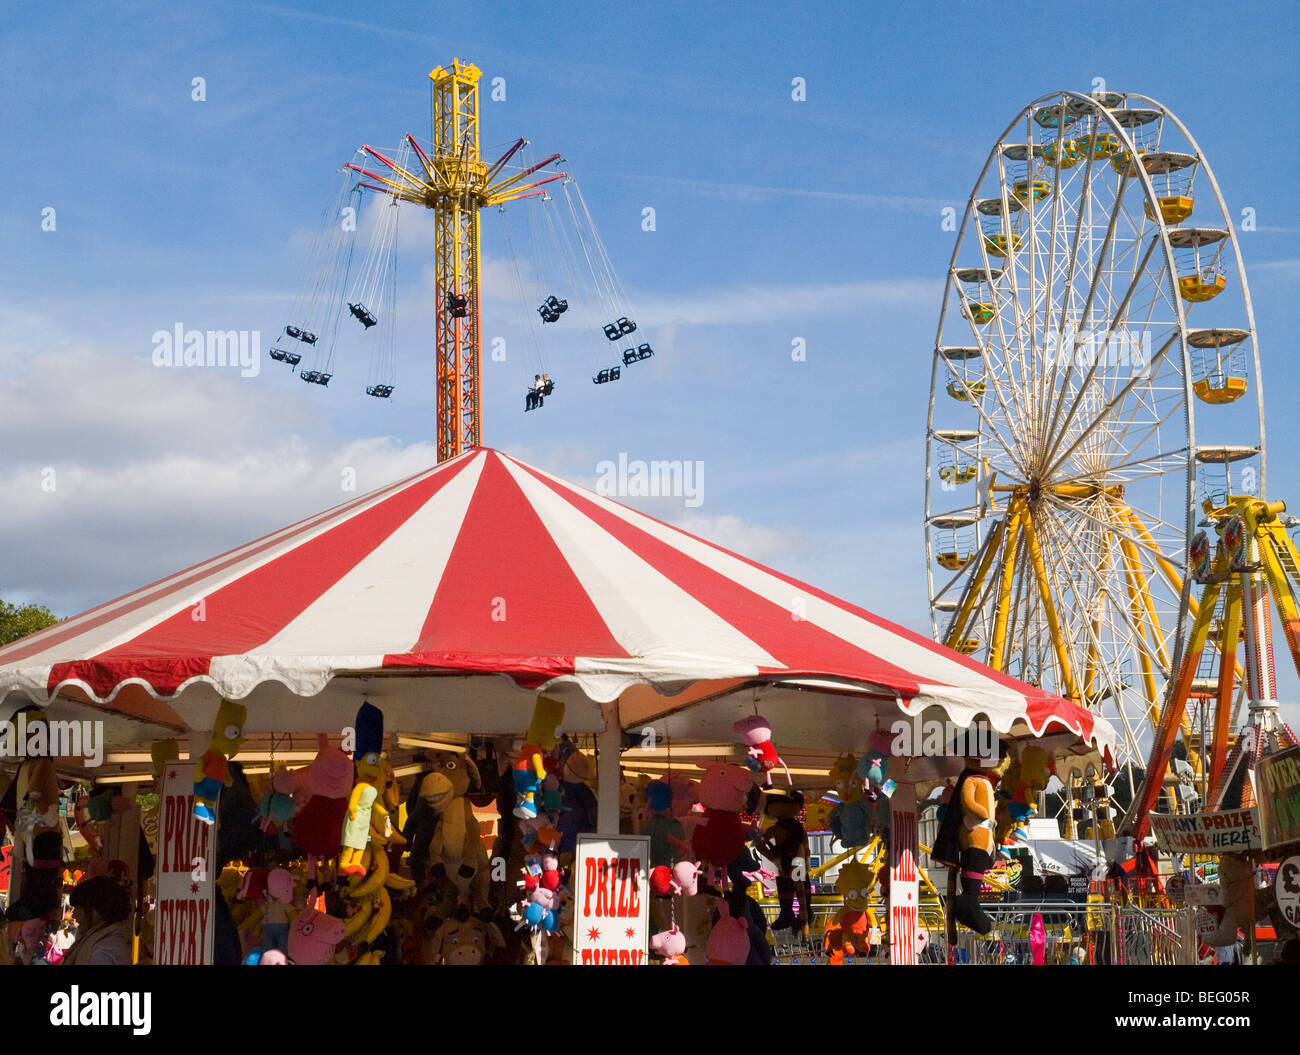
[463, 942]
[457, 851]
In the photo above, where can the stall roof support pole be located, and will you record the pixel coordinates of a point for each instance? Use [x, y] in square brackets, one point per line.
[608, 743]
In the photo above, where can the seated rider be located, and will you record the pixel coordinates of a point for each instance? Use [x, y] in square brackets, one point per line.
[534, 398]
[548, 386]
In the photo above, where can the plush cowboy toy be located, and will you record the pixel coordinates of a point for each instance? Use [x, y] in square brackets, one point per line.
[965, 838]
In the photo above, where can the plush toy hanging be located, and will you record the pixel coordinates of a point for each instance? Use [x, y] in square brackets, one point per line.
[965, 839]
[665, 831]
[212, 771]
[722, 835]
[670, 946]
[728, 942]
[785, 844]
[529, 770]
[761, 756]
[367, 758]
[456, 850]
[318, 826]
[848, 932]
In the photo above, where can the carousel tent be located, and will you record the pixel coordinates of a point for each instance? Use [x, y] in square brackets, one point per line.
[450, 597]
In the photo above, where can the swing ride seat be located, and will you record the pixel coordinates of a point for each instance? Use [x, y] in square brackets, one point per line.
[306, 336]
[612, 331]
[363, 314]
[610, 373]
[629, 356]
[457, 306]
[379, 391]
[548, 315]
[281, 356]
[315, 377]
[625, 325]
[644, 351]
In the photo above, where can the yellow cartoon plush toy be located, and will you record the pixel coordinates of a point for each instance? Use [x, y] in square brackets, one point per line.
[212, 771]
[848, 932]
[529, 769]
[363, 804]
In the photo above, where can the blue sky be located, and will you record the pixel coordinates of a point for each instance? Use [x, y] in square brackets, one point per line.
[775, 220]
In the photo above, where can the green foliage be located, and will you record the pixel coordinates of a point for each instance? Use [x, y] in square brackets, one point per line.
[20, 620]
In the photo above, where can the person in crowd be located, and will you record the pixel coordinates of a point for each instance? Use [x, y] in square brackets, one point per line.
[101, 907]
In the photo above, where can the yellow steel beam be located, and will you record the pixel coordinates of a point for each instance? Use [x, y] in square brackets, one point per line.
[997, 652]
[957, 634]
[1229, 637]
[1049, 606]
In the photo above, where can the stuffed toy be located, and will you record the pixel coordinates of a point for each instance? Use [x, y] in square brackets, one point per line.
[785, 844]
[456, 851]
[277, 909]
[38, 804]
[965, 838]
[848, 931]
[463, 941]
[368, 760]
[1237, 881]
[276, 806]
[722, 835]
[212, 771]
[760, 756]
[314, 936]
[670, 946]
[664, 830]
[529, 770]
[318, 826]
[728, 942]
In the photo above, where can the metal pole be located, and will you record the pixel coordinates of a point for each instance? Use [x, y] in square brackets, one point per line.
[608, 742]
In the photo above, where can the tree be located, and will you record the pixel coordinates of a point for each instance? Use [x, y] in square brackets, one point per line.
[19, 620]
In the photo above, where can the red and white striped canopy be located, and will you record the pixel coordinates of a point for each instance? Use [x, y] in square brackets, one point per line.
[485, 565]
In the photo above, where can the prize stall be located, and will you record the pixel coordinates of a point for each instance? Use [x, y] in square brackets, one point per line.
[483, 715]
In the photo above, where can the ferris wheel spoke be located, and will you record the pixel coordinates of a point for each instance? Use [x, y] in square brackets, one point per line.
[1101, 417]
[1074, 346]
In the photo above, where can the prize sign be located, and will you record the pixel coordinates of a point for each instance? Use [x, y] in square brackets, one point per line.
[611, 914]
[904, 896]
[1287, 890]
[186, 881]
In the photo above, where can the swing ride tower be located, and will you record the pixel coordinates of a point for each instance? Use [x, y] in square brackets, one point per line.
[454, 181]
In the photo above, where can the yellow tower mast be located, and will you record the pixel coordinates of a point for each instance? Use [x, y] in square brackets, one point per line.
[455, 182]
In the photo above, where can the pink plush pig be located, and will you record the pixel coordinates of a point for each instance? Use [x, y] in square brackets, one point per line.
[670, 944]
[756, 735]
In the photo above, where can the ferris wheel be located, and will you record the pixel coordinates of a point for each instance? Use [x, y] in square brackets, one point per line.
[1095, 381]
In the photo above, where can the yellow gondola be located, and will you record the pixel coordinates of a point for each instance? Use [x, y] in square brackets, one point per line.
[954, 561]
[980, 314]
[1219, 365]
[1198, 263]
[1174, 208]
[1202, 287]
[1027, 190]
[997, 243]
[968, 646]
[1062, 153]
[1098, 145]
[958, 474]
[965, 391]
[957, 543]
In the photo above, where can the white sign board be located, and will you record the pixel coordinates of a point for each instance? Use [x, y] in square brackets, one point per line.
[611, 914]
[904, 898]
[1287, 890]
[186, 874]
